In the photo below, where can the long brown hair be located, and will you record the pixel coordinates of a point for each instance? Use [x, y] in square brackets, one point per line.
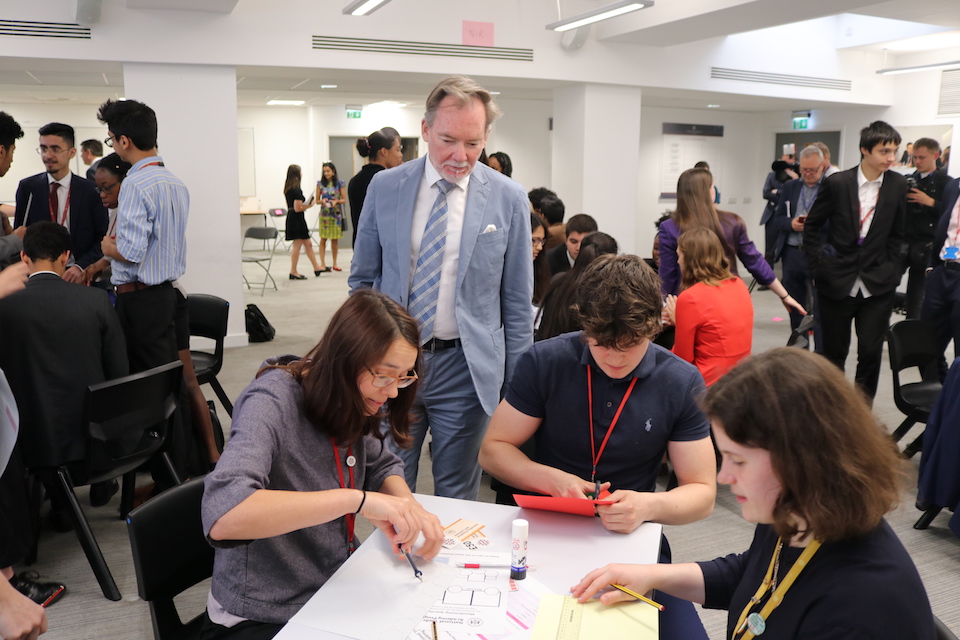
[703, 258]
[358, 337]
[695, 208]
[838, 468]
[293, 178]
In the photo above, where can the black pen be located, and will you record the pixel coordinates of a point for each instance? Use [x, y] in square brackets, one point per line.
[416, 572]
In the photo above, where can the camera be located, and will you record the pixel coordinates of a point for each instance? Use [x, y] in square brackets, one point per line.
[912, 182]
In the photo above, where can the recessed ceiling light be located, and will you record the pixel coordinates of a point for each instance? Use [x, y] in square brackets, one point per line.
[713, 106]
[494, 93]
[388, 103]
[328, 86]
[603, 13]
[363, 7]
[285, 103]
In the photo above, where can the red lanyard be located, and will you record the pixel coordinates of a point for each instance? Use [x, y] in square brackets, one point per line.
[863, 219]
[66, 208]
[594, 454]
[351, 517]
[151, 164]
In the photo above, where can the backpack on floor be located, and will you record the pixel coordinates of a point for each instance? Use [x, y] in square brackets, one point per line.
[258, 327]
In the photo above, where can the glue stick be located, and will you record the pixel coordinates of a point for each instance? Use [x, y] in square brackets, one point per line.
[518, 554]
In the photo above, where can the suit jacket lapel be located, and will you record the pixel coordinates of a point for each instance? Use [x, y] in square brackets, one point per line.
[473, 217]
[407, 192]
[854, 197]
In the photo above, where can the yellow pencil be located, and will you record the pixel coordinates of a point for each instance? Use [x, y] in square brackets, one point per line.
[435, 636]
[638, 596]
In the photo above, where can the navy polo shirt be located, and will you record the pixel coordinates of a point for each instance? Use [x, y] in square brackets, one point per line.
[550, 382]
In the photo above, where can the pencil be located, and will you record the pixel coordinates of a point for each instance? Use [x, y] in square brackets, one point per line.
[435, 636]
[638, 596]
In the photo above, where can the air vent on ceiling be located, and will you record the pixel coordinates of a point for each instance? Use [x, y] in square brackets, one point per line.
[949, 93]
[720, 73]
[44, 29]
[422, 48]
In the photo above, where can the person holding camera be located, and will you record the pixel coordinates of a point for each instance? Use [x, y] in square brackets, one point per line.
[923, 210]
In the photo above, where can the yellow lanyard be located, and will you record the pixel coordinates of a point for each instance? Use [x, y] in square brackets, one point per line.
[754, 624]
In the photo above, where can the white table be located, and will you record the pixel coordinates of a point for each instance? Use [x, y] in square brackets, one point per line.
[562, 548]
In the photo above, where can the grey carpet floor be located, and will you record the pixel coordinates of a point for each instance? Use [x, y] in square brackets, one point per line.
[299, 311]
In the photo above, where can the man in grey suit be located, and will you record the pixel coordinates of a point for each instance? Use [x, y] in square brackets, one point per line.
[449, 239]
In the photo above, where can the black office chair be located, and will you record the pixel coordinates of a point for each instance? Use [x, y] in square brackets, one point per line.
[913, 343]
[208, 319]
[170, 555]
[126, 422]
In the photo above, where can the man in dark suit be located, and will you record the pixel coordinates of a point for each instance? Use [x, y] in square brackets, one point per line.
[562, 257]
[796, 199]
[91, 152]
[853, 238]
[60, 340]
[73, 202]
[941, 302]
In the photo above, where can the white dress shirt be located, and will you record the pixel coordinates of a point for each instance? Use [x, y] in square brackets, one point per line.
[63, 192]
[869, 192]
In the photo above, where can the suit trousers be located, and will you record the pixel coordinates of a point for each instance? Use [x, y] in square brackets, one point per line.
[917, 260]
[797, 282]
[146, 317]
[941, 306]
[872, 318]
[447, 405]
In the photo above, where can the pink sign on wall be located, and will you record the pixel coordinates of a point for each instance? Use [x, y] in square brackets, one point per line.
[478, 34]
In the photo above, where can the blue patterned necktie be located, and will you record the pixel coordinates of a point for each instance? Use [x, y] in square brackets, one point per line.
[426, 277]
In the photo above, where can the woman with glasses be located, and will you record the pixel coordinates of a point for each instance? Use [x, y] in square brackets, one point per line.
[541, 270]
[306, 456]
[109, 174]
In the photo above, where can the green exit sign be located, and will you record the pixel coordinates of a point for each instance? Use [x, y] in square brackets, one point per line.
[801, 123]
[354, 113]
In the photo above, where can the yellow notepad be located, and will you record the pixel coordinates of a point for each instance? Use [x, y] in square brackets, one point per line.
[563, 618]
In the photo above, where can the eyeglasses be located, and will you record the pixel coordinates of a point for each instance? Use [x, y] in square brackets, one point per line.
[814, 170]
[109, 141]
[55, 150]
[106, 189]
[538, 242]
[381, 381]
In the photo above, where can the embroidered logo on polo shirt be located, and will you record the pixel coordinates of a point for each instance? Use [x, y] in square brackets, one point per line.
[648, 426]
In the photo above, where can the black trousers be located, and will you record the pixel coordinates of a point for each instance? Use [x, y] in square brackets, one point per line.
[247, 630]
[871, 317]
[917, 260]
[147, 319]
[941, 306]
[16, 531]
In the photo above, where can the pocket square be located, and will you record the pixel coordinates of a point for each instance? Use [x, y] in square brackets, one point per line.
[490, 227]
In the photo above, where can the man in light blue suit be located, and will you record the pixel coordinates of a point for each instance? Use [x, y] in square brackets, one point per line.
[449, 239]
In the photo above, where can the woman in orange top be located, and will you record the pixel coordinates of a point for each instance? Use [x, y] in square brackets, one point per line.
[714, 313]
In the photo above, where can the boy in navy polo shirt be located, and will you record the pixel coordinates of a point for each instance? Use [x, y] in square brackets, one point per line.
[605, 404]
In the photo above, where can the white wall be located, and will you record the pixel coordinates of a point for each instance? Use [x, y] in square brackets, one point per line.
[523, 133]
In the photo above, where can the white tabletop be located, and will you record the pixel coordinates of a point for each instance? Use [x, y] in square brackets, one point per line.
[562, 548]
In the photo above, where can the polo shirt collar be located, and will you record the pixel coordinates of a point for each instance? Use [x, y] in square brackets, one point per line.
[642, 370]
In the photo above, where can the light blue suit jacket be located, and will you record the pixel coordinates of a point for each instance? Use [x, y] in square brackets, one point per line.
[495, 273]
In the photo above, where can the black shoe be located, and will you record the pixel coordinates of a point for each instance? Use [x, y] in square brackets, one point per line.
[317, 273]
[60, 521]
[43, 593]
[300, 277]
[101, 492]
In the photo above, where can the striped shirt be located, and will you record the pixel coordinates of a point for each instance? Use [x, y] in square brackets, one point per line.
[151, 225]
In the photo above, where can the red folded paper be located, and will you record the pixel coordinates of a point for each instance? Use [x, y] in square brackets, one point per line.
[577, 506]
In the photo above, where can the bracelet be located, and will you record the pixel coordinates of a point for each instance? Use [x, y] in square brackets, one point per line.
[361, 502]
[785, 297]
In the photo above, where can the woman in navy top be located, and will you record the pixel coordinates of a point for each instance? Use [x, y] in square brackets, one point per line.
[807, 462]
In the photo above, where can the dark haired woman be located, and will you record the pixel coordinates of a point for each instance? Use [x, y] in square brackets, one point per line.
[499, 161]
[541, 270]
[296, 230]
[383, 150]
[713, 314]
[809, 465]
[307, 454]
[111, 171]
[695, 208]
[556, 314]
[331, 194]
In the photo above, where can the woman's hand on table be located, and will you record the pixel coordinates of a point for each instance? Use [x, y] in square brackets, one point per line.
[402, 520]
[636, 577]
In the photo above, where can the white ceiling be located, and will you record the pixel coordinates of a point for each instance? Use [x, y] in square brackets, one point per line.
[85, 82]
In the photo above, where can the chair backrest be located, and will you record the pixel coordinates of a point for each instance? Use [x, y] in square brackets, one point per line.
[170, 553]
[260, 233]
[127, 420]
[913, 343]
[943, 633]
[208, 318]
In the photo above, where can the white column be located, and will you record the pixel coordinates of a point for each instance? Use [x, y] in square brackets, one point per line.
[196, 109]
[596, 156]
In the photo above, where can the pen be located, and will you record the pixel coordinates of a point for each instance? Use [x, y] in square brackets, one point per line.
[463, 565]
[596, 494]
[416, 572]
[435, 636]
[637, 596]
